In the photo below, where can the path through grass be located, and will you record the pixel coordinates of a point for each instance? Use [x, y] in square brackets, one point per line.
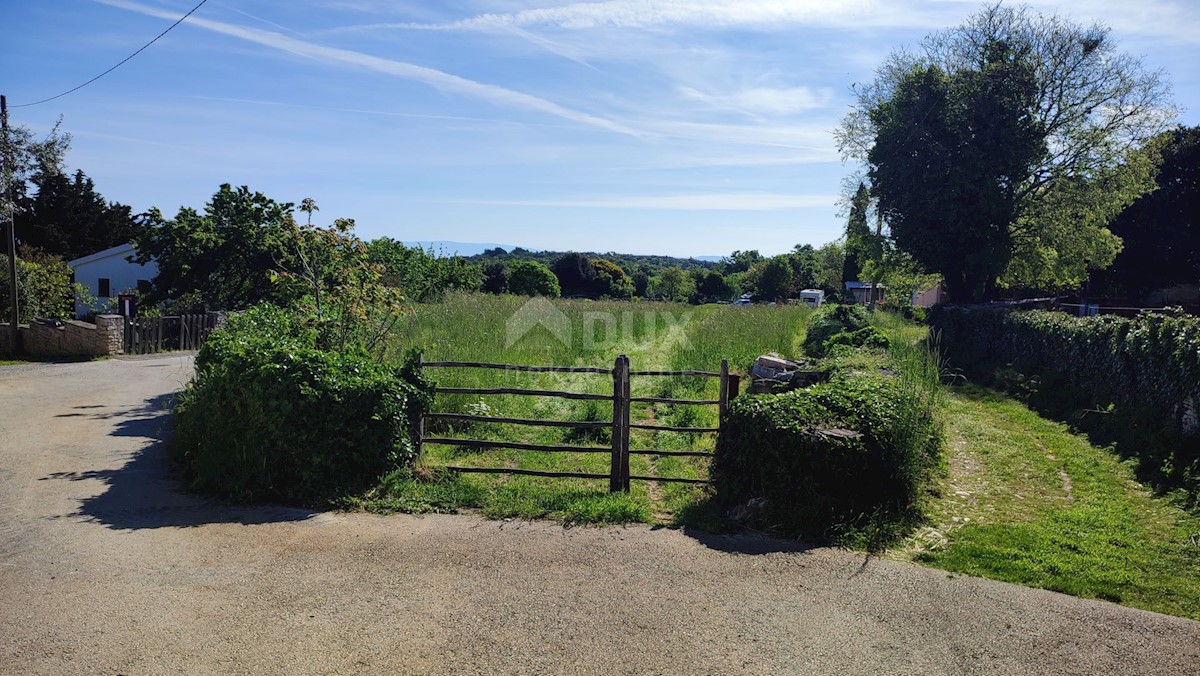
[1027, 501]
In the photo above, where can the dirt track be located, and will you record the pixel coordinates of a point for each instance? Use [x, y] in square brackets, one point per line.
[106, 567]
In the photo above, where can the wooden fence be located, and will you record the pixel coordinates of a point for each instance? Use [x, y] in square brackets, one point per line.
[618, 476]
[144, 335]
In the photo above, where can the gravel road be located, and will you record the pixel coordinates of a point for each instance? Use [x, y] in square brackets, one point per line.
[107, 567]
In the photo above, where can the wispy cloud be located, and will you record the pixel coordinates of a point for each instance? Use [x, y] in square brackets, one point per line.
[764, 100]
[1166, 18]
[686, 202]
[440, 80]
[647, 13]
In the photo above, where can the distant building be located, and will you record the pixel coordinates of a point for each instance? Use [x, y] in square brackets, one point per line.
[106, 274]
[929, 297]
[862, 292]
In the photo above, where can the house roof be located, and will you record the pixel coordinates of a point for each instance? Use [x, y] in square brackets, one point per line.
[119, 250]
[861, 285]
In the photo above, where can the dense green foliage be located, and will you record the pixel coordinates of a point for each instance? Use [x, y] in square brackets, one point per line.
[44, 287]
[1000, 152]
[530, 278]
[65, 216]
[1160, 231]
[849, 459]
[829, 321]
[270, 416]
[421, 273]
[628, 262]
[221, 258]
[1132, 381]
[868, 336]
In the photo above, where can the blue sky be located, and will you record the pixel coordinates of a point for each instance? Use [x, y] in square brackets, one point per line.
[669, 127]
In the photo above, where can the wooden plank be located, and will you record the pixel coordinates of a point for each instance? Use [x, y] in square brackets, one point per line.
[527, 472]
[582, 424]
[517, 390]
[734, 385]
[664, 400]
[693, 454]
[672, 428]
[517, 367]
[520, 446]
[671, 480]
[705, 374]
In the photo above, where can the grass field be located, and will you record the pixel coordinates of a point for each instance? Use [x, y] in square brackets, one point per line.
[655, 336]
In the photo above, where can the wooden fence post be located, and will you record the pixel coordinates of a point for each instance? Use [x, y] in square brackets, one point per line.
[724, 397]
[618, 479]
[418, 421]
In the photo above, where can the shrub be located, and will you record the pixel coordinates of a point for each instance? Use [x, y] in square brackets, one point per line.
[1135, 382]
[829, 321]
[269, 416]
[868, 337]
[845, 459]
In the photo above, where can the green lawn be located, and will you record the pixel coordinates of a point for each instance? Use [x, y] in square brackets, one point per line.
[1027, 501]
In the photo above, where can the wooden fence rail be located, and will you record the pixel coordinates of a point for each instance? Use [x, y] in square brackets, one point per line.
[618, 476]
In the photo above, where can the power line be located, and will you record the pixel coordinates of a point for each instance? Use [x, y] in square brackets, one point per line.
[139, 51]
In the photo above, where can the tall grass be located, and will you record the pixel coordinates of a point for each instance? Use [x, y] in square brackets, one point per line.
[656, 336]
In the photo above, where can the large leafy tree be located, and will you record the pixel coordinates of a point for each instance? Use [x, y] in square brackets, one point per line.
[1002, 150]
[220, 258]
[576, 276]
[1161, 231]
[610, 280]
[65, 216]
[531, 278]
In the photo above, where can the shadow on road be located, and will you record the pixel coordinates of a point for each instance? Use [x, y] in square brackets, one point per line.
[144, 493]
[746, 543]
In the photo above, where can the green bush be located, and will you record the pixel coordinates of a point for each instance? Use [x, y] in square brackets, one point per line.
[269, 416]
[1132, 382]
[845, 460]
[829, 321]
[868, 336]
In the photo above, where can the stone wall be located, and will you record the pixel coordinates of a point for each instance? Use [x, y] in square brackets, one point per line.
[6, 346]
[113, 328]
[74, 338]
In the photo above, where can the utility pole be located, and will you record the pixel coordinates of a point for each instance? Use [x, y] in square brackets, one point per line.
[6, 176]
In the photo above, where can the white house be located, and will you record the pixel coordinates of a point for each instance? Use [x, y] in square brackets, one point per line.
[106, 274]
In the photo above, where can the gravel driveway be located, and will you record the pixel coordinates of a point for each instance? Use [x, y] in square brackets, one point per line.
[107, 567]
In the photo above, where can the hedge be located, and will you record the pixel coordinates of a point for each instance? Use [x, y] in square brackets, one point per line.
[829, 321]
[834, 460]
[1132, 382]
[269, 416]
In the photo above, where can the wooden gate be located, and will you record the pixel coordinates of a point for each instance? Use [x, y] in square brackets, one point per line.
[618, 476]
[144, 335]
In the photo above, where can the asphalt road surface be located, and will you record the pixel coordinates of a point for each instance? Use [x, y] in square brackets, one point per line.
[106, 566]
